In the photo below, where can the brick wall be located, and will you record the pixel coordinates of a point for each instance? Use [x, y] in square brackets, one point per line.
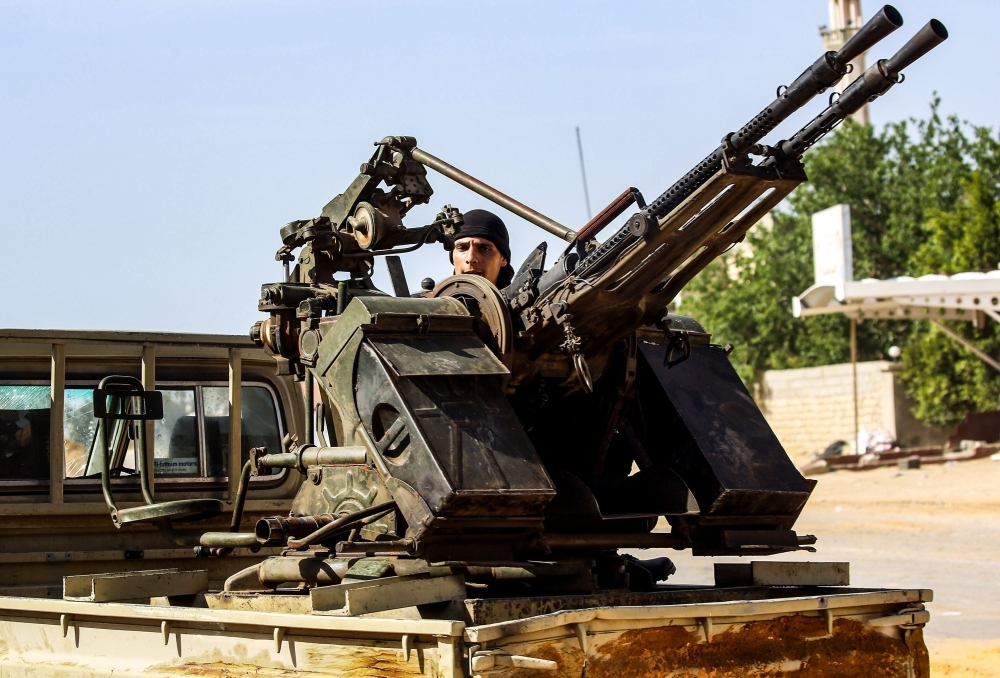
[810, 408]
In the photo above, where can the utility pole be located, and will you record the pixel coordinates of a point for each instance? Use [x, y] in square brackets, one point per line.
[854, 379]
[845, 20]
[583, 173]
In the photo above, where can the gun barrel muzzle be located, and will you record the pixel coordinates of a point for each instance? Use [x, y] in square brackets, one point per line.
[875, 29]
[874, 82]
[926, 39]
[825, 72]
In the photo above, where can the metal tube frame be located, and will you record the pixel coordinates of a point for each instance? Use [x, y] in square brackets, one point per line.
[493, 195]
[235, 419]
[57, 405]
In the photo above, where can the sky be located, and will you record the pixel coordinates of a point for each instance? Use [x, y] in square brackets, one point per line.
[150, 152]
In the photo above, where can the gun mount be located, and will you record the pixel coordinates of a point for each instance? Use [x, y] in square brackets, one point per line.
[525, 434]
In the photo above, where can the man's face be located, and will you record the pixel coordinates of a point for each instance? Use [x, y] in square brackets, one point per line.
[478, 256]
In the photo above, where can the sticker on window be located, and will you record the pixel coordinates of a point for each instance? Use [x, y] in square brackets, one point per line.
[177, 466]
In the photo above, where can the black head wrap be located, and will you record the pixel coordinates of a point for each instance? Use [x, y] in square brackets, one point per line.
[483, 224]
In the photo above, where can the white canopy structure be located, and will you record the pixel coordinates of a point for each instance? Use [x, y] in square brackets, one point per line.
[964, 296]
[968, 296]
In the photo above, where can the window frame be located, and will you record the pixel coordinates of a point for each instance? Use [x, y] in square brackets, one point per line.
[77, 485]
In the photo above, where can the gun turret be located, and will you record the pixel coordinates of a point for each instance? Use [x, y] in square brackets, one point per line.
[561, 417]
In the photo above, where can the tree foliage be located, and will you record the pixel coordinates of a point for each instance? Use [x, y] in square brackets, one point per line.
[925, 198]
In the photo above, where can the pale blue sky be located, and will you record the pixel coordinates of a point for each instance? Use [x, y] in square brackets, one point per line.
[151, 151]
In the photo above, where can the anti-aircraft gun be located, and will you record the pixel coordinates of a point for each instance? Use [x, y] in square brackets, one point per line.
[521, 436]
[500, 426]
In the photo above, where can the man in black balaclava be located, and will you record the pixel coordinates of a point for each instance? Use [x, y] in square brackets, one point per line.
[482, 247]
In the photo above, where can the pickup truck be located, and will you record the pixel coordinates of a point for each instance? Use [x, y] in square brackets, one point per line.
[81, 597]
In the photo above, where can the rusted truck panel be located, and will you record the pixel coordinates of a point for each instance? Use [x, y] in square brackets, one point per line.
[844, 633]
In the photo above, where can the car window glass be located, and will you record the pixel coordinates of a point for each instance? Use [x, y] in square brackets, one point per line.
[178, 448]
[259, 425]
[175, 449]
[80, 435]
[79, 429]
[24, 432]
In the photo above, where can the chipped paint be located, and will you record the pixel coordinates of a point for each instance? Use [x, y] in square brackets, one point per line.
[795, 646]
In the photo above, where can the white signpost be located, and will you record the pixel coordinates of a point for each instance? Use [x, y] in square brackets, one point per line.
[833, 259]
[833, 263]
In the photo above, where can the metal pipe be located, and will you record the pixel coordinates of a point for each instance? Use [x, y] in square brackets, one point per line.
[227, 539]
[985, 357]
[241, 498]
[303, 458]
[491, 573]
[275, 530]
[644, 540]
[274, 571]
[102, 450]
[220, 540]
[333, 456]
[854, 378]
[607, 215]
[492, 194]
[350, 520]
[341, 297]
[309, 410]
[583, 172]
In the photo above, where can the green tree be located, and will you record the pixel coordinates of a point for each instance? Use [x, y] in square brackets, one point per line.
[925, 198]
[945, 379]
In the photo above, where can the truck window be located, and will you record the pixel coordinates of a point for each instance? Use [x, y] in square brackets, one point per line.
[24, 432]
[79, 429]
[195, 418]
[259, 424]
[191, 441]
[175, 450]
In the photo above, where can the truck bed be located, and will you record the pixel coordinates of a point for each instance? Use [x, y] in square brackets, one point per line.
[674, 631]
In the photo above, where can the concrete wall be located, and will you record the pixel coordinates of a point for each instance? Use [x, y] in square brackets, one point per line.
[810, 408]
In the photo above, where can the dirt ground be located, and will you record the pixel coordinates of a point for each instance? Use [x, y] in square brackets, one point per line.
[936, 528]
